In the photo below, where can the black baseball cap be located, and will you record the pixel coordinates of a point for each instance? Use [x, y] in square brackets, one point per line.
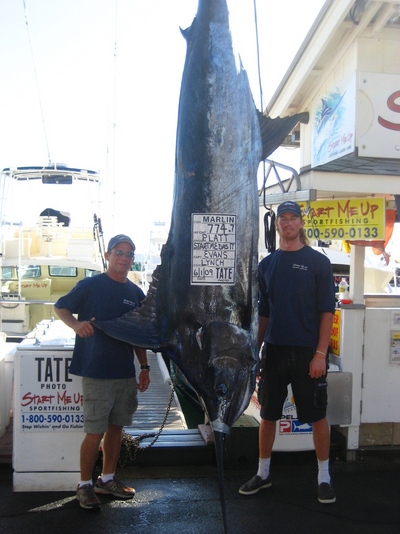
[293, 207]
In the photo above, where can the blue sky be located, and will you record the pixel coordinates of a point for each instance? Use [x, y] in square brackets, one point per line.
[109, 75]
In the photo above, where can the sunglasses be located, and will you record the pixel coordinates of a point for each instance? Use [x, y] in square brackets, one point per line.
[121, 253]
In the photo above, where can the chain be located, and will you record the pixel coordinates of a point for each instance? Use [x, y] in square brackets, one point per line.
[132, 445]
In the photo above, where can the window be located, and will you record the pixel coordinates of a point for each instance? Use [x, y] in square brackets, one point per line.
[7, 273]
[27, 271]
[58, 270]
[90, 272]
[30, 271]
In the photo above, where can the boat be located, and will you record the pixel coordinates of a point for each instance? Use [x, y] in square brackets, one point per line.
[50, 238]
[377, 275]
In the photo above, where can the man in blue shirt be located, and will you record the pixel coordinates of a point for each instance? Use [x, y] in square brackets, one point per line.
[296, 306]
[106, 366]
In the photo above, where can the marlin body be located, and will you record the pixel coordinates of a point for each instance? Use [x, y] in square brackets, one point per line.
[213, 328]
[208, 325]
[210, 331]
[201, 308]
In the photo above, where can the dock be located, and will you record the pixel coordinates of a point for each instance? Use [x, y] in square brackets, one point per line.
[153, 404]
[159, 423]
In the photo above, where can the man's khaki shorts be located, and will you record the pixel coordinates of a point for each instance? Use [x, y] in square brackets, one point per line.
[108, 402]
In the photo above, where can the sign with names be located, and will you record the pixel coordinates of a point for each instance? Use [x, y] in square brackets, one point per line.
[213, 249]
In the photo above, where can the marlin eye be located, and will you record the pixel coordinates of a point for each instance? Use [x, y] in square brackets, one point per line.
[221, 390]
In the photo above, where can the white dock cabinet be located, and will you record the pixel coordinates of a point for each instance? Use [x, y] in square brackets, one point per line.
[291, 434]
[7, 351]
[48, 412]
[370, 351]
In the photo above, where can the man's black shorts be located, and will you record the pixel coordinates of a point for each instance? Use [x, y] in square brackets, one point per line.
[290, 365]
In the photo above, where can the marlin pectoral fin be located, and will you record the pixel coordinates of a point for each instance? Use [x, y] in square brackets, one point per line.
[133, 328]
[274, 131]
[137, 327]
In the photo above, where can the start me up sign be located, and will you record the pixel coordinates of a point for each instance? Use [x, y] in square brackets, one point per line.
[345, 219]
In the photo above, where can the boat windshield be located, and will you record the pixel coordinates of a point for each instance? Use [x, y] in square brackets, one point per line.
[59, 270]
[26, 271]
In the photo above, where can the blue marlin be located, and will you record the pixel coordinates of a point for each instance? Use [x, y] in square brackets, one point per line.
[201, 308]
[209, 327]
[328, 112]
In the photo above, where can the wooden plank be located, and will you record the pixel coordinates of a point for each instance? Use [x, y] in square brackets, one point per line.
[154, 402]
[170, 438]
[173, 441]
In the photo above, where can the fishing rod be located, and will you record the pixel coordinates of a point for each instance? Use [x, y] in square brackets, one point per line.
[99, 237]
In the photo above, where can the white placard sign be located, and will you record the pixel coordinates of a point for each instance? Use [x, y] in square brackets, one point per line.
[213, 249]
[50, 398]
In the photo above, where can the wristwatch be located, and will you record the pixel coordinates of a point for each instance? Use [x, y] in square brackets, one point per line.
[145, 367]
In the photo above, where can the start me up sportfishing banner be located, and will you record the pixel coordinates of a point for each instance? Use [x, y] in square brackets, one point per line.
[345, 219]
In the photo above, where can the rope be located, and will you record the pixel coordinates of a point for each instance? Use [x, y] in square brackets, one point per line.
[269, 217]
[269, 231]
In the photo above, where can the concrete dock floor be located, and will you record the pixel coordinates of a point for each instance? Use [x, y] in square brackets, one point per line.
[186, 500]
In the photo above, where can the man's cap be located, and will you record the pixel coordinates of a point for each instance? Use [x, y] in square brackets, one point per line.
[293, 207]
[120, 238]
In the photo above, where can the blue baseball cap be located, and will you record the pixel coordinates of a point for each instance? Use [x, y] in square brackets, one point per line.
[120, 238]
[293, 207]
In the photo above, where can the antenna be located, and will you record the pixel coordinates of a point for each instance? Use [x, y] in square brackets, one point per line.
[37, 83]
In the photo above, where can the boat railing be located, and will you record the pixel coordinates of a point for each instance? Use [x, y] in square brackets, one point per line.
[11, 301]
[47, 239]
